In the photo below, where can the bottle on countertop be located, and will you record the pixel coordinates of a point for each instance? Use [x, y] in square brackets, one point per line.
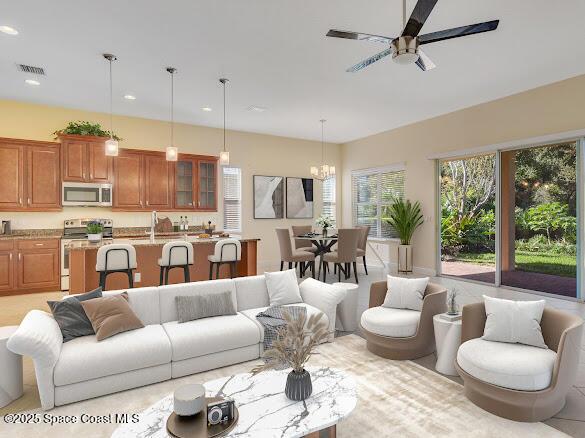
[182, 224]
[186, 223]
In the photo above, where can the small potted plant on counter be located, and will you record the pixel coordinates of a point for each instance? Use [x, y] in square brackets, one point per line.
[293, 347]
[324, 222]
[94, 231]
[405, 217]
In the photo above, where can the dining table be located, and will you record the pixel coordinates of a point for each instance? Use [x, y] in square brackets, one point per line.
[322, 242]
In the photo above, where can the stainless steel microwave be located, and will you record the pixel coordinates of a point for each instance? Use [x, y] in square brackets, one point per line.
[87, 194]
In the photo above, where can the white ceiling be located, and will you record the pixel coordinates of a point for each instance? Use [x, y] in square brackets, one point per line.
[277, 56]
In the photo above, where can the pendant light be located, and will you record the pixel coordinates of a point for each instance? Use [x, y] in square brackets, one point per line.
[112, 143]
[224, 155]
[325, 171]
[172, 153]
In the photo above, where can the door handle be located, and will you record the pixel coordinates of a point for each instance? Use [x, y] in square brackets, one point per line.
[28, 201]
[19, 256]
[20, 201]
[39, 244]
[10, 256]
[147, 203]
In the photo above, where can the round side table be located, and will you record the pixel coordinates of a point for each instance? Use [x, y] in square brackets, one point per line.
[347, 320]
[10, 369]
[447, 339]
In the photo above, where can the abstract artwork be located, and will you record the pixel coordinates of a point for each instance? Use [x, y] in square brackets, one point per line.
[299, 198]
[268, 197]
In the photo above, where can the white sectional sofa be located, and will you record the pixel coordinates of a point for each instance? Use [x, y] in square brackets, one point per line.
[164, 349]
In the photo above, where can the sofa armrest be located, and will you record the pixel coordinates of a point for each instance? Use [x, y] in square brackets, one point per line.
[473, 321]
[324, 297]
[563, 332]
[39, 337]
[433, 304]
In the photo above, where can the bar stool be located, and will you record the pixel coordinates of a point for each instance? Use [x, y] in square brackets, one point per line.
[178, 254]
[227, 251]
[117, 257]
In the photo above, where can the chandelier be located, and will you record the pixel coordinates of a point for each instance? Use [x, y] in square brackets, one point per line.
[324, 171]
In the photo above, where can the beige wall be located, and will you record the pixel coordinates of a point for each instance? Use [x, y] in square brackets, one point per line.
[554, 108]
[254, 153]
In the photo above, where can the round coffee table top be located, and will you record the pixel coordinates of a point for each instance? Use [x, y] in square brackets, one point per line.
[264, 410]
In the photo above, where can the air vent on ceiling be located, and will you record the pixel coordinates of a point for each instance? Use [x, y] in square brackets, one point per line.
[31, 69]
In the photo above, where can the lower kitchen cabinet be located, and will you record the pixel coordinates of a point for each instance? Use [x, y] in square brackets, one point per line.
[28, 266]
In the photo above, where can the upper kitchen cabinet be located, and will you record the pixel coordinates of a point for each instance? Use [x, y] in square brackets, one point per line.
[85, 160]
[31, 175]
[158, 182]
[196, 183]
[128, 184]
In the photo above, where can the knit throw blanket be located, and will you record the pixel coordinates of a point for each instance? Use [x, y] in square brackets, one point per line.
[272, 320]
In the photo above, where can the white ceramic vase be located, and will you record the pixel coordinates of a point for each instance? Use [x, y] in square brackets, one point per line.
[94, 237]
[404, 258]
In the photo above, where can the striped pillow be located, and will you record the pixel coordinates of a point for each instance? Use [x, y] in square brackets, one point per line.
[204, 305]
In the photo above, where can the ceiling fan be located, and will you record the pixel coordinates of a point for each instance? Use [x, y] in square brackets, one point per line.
[405, 48]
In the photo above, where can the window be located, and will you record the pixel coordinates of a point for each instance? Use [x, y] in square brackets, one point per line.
[232, 199]
[373, 191]
[329, 206]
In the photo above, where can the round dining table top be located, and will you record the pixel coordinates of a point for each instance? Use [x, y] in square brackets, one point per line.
[317, 237]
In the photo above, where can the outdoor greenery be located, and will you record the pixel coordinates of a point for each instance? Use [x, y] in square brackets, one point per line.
[545, 214]
[405, 217]
[85, 128]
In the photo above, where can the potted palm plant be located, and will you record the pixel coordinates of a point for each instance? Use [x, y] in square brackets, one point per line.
[405, 217]
[293, 347]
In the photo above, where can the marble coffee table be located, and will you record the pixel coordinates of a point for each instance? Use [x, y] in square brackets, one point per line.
[265, 412]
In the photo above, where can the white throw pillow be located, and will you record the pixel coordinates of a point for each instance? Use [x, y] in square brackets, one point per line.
[405, 293]
[283, 287]
[324, 297]
[515, 322]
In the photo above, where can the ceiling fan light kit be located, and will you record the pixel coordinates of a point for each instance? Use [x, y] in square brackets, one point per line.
[405, 48]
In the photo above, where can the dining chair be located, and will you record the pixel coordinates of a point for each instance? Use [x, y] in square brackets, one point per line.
[345, 255]
[296, 256]
[303, 244]
[363, 243]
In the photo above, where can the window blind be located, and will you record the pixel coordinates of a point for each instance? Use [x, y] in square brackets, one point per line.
[232, 199]
[329, 199]
[372, 192]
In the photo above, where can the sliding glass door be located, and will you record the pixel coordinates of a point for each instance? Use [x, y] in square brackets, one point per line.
[511, 218]
[468, 218]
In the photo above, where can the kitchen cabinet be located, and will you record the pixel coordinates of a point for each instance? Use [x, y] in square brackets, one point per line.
[85, 160]
[196, 183]
[7, 266]
[31, 177]
[29, 266]
[128, 181]
[158, 182]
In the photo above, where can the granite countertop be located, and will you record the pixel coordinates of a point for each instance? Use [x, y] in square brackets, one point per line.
[33, 234]
[159, 240]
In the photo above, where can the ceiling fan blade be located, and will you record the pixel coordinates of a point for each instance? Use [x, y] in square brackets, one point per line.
[424, 62]
[369, 61]
[457, 32]
[419, 15]
[358, 36]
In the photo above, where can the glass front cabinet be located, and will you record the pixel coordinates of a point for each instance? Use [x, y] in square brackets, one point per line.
[196, 183]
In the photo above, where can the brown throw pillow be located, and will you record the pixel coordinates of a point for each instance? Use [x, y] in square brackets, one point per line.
[111, 315]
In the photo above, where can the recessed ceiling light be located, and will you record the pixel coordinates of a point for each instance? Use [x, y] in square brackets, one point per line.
[129, 97]
[206, 109]
[8, 30]
[256, 109]
[32, 82]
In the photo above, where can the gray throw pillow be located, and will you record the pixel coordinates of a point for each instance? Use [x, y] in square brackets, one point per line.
[204, 305]
[71, 317]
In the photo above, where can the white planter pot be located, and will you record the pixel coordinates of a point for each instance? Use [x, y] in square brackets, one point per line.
[404, 258]
[94, 237]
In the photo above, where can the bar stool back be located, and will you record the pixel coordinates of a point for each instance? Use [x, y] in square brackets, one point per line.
[227, 251]
[177, 254]
[117, 257]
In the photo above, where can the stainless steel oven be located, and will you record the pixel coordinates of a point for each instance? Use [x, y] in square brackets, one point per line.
[87, 194]
[75, 230]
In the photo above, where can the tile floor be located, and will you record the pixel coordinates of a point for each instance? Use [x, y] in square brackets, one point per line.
[571, 419]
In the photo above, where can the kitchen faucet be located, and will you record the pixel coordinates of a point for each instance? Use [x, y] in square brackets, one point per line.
[153, 220]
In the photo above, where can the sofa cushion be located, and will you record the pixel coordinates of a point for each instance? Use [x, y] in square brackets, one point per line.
[405, 293]
[210, 335]
[205, 305]
[71, 317]
[85, 358]
[387, 321]
[513, 366]
[168, 307]
[251, 314]
[144, 301]
[251, 292]
[111, 315]
[283, 287]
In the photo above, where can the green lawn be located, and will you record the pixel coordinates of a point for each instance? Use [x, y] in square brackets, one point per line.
[554, 264]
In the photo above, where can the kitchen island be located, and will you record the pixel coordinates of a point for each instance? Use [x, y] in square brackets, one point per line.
[82, 260]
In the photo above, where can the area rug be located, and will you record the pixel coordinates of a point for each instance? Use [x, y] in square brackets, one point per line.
[396, 399]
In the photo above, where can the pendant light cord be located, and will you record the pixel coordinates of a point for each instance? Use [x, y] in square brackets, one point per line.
[111, 104]
[403, 13]
[172, 108]
[322, 142]
[224, 111]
